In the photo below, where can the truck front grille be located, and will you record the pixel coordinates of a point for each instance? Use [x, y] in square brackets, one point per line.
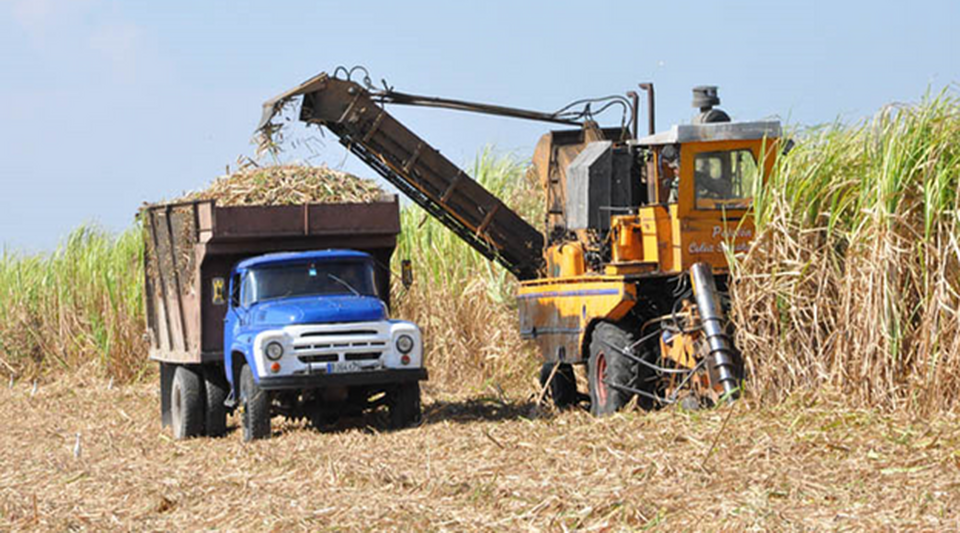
[327, 346]
[330, 345]
[338, 333]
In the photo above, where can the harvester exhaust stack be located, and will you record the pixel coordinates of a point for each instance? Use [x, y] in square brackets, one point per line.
[706, 99]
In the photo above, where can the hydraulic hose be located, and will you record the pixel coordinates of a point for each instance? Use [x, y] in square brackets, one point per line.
[722, 357]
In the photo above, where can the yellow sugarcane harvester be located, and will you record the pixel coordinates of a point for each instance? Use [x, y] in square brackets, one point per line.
[629, 273]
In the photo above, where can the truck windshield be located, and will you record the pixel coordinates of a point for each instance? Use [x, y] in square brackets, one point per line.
[725, 179]
[311, 279]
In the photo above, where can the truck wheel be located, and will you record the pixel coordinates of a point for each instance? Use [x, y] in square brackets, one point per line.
[403, 403]
[255, 403]
[607, 365]
[215, 385]
[563, 388]
[186, 403]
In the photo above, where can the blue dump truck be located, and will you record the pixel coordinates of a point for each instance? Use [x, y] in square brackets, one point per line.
[276, 310]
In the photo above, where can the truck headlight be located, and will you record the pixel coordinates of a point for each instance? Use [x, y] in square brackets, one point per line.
[404, 343]
[274, 351]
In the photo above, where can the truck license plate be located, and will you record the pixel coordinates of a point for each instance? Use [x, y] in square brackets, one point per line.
[344, 367]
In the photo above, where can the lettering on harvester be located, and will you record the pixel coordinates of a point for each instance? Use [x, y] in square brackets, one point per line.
[741, 236]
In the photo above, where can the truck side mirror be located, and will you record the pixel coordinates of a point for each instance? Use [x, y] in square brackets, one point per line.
[406, 273]
[788, 146]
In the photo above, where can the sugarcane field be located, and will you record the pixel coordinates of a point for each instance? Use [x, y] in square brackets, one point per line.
[471, 273]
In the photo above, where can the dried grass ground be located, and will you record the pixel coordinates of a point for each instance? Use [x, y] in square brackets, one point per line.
[476, 463]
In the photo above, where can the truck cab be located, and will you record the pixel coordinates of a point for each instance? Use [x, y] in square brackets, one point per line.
[307, 335]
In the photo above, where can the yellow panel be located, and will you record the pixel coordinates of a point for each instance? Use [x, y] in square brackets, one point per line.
[565, 260]
[704, 239]
[651, 237]
[677, 241]
[555, 312]
[626, 239]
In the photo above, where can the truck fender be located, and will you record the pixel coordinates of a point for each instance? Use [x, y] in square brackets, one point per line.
[233, 363]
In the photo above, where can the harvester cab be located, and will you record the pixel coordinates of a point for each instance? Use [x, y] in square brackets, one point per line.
[627, 275]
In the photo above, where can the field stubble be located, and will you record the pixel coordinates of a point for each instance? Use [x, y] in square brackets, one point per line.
[476, 462]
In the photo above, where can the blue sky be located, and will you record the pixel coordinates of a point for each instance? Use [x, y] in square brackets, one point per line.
[108, 104]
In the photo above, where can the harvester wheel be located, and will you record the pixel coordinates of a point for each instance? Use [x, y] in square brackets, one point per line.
[186, 403]
[607, 365]
[563, 388]
[255, 403]
[403, 402]
[215, 385]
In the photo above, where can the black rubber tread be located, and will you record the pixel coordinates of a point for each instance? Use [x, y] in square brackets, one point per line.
[607, 338]
[563, 388]
[403, 402]
[186, 403]
[215, 387]
[255, 404]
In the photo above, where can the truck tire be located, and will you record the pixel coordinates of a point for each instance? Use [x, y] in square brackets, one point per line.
[186, 403]
[563, 388]
[607, 365]
[215, 386]
[403, 402]
[255, 403]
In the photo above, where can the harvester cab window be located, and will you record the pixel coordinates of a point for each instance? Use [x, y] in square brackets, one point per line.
[725, 180]
[669, 188]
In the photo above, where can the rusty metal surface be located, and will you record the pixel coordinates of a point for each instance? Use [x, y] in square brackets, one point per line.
[551, 157]
[557, 313]
[189, 245]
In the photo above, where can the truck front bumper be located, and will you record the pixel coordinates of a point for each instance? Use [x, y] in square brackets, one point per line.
[313, 381]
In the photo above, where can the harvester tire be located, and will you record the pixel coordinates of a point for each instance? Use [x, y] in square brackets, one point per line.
[215, 386]
[607, 365]
[186, 403]
[563, 388]
[255, 403]
[403, 402]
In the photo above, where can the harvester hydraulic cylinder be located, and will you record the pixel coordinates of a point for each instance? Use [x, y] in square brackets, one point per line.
[722, 357]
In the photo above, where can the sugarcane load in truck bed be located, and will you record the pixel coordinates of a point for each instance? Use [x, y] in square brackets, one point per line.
[629, 272]
[276, 310]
